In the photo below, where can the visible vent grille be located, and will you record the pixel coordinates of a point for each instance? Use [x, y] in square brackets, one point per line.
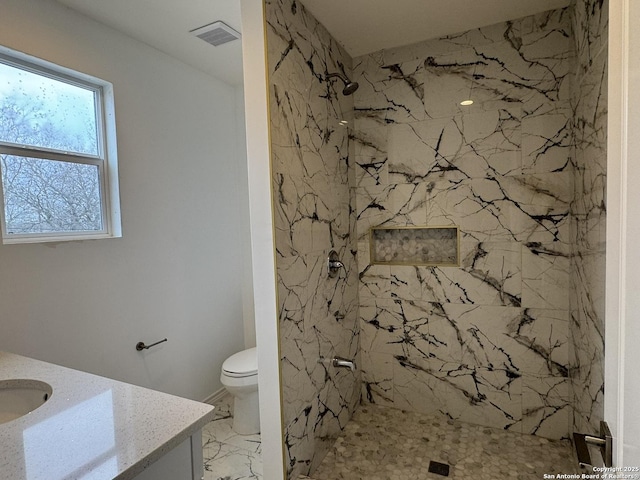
[216, 33]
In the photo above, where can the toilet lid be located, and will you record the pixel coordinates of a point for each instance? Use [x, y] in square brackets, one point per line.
[241, 364]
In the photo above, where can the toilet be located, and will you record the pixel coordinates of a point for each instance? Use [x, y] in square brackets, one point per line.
[240, 377]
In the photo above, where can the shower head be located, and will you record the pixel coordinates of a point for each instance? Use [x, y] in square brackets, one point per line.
[349, 86]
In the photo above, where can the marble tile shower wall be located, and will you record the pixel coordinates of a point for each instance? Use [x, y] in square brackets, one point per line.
[314, 212]
[486, 342]
[589, 215]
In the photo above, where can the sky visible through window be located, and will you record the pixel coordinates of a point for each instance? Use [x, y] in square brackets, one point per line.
[40, 102]
[45, 195]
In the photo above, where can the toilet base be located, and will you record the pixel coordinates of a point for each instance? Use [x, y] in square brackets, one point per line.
[246, 414]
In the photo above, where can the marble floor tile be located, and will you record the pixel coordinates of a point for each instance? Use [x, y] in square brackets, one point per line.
[227, 455]
[382, 443]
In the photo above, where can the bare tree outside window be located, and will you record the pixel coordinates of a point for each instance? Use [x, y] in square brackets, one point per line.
[51, 153]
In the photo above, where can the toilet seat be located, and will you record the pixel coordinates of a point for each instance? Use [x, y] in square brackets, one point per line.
[242, 364]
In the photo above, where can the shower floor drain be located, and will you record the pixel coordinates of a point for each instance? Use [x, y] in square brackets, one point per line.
[439, 468]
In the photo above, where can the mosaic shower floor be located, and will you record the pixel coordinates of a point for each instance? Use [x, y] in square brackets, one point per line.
[227, 455]
[387, 444]
[382, 443]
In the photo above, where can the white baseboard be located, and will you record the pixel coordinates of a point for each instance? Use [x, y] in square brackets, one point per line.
[216, 396]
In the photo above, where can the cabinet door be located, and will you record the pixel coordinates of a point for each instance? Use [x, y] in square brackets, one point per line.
[184, 462]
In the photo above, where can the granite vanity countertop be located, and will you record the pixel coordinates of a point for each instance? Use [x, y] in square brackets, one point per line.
[91, 427]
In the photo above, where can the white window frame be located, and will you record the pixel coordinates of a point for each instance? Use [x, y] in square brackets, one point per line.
[106, 160]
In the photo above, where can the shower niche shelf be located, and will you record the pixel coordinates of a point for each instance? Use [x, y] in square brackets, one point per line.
[425, 246]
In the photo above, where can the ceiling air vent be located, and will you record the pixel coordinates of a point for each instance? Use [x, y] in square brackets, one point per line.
[216, 33]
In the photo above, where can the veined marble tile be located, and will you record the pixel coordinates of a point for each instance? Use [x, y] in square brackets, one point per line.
[587, 331]
[591, 22]
[377, 377]
[558, 20]
[489, 274]
[293, 216]
[533, 73]
[306, 139]
[389, 93]
[546, 143]
[545, 201]
[314, 207]
[330, 330]
[546, 405]
[513, 31]
[591, 135]
[293, 280]
[227, 455]
[338, 400]
[408, 282]
[393, 205]
[372, 171]
[371, 166]
[416, 339]
[303, 34]
[481, 207]
[590, 181]
[310, 215]
[301, 373]
[369, 112]
[227, 462]
[220, 430]
[330, 338]
[455, 42]
[310, 435]
[521, 208]
[589, 286]
[589, 232]
[299, 441]
[589, 215]
[588, 385]
[465, 146]
[375, 280]
[477, 395]
[545, 276]
[497, 269]
[477, 336]
[587, 363]
[545, 335]
[453, 78]
[381, 327]
[330, 297]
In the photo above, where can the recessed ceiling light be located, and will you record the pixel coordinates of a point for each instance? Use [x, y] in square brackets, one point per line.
[466, 102]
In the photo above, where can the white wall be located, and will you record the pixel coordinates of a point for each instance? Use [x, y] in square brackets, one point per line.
[262, 236]
[178, 270]
[245, 232]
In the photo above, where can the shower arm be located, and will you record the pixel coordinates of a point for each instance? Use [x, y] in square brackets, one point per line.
[336, 75]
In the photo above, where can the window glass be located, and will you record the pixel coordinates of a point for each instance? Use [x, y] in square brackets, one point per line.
[43, 112]
[58, 158]
[47, 196]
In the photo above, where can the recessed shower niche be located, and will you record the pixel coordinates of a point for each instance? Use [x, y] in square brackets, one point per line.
[426, 246]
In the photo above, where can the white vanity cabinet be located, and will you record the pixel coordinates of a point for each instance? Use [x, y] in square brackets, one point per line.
[184, 462]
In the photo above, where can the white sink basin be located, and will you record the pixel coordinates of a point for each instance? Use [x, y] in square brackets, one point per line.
[19, 397]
